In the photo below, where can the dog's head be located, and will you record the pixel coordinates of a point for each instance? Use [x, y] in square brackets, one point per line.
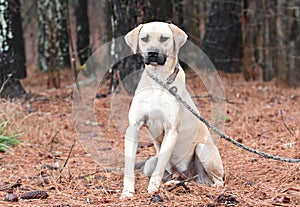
[156, 41]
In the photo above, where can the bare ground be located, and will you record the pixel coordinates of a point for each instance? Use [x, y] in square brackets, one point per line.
[261, 115]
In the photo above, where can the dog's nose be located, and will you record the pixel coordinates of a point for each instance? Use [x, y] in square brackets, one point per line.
[153, 56]
[153, 52]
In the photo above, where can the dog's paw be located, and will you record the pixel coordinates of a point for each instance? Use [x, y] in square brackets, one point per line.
[153, 185]
[126, 194]
[152, 189]
[218, 183]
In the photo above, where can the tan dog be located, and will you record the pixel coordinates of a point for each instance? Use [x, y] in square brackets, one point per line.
[183, 143]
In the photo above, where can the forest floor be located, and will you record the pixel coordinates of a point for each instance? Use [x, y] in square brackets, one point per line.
[260, 115]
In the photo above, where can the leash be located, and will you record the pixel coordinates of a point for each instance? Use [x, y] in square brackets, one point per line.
[173, 91]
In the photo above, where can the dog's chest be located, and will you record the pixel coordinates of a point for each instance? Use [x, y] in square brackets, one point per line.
[154, 105]
[155, 98]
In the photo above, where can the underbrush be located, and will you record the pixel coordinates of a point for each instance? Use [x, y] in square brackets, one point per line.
[7, 139]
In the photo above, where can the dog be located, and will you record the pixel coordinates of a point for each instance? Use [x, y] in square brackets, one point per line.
[183, 143]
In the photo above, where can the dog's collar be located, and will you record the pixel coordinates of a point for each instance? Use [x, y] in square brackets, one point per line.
[173, 76]
[173, 89]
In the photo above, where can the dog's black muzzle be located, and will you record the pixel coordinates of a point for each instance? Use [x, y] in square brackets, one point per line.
[154, 56]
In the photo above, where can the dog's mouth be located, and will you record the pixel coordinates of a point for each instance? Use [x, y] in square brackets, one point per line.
[154, 57]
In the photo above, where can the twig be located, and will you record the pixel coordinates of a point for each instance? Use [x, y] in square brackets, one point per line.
[5, 82]
[218, 97]
[285, 125]
[233, 102]
[226, 100]
[66, 162]
[182, 183]
[200, 96]
[291, 189]
[90, 174]
[10, 186]
[50, 150]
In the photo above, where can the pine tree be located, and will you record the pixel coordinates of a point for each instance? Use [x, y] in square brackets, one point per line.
[12, 52]
[223, 36]
[83, 31]
[53, 44]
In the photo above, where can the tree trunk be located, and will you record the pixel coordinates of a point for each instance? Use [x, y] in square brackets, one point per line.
[297, 43]
[83, 31]
[269, 40]
[126, 16]
[191, 23]
[281, 52]
[293, 55]
[53, 45]
[62, 13]
[123, 20]
[272, 41]
[223, 37]
[12, 52]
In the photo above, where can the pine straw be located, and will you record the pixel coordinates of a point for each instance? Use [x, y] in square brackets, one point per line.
[250, 180]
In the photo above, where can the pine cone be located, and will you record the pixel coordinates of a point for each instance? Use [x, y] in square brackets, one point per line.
[39, 194]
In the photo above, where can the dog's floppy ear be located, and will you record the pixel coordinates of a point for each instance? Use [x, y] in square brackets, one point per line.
[132, 38]
[179, 35]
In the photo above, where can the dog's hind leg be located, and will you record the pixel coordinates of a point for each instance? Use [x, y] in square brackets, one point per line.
[210, 161]
[131, 143]
[150, 165]
[200, 172]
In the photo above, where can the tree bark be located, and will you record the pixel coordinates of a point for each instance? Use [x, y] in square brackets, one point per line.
[272, 40]
[83, 31]
[269, 40]
[123, 20]
[12, 52]
[62, 12]
[293, 56]
[223, 37]
[191, 23]
[53, 43]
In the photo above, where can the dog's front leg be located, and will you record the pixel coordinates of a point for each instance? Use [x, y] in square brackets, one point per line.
[164, 156]
[131, 143]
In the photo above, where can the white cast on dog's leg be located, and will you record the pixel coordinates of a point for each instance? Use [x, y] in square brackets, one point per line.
[166, 150]
[131, 143]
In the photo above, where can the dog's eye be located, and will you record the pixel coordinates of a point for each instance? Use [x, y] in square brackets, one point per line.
[145, 39]
[163, 39]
